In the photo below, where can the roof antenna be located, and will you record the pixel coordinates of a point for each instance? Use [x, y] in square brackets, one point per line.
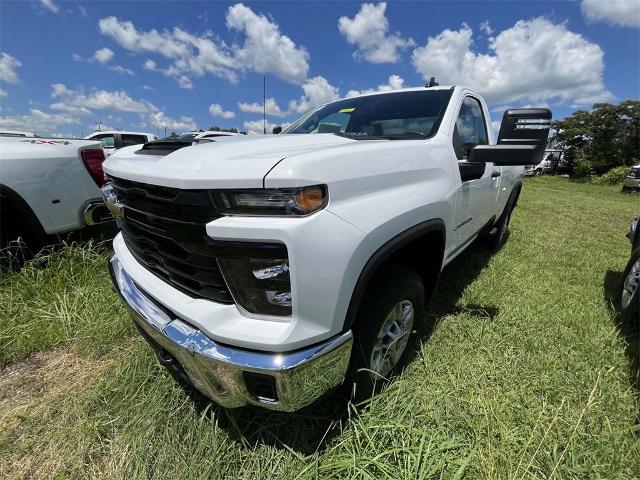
[432, 83]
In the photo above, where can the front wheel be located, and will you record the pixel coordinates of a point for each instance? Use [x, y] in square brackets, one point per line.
[383, 329]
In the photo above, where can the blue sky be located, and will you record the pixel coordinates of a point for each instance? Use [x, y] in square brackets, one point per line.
[145, 65]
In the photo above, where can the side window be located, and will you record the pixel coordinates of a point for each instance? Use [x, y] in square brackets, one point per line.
[128, 140]
[107, 140]
[470, 129]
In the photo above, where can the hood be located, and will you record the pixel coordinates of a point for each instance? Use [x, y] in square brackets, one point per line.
[237, 162]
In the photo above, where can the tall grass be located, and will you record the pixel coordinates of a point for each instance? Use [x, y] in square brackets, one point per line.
[59, 298]
[520, 373]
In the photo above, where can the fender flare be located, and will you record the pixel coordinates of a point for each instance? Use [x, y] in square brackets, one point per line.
[24, 212]
[384, 253]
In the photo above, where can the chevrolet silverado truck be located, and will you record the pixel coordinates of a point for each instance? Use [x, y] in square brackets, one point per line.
[48, 187]
[267, 270]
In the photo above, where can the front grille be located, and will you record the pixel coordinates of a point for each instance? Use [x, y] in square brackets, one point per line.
[164, 229]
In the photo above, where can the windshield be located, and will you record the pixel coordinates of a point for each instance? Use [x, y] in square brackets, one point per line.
[187, 136]
[405, 115]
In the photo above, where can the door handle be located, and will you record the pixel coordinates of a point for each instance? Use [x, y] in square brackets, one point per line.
[495, 174]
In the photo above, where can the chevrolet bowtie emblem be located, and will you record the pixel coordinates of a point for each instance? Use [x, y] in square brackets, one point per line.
[111, 201]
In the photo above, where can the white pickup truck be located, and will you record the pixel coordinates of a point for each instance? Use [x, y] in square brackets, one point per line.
[265, 270]
[112, 140]
[48, 186]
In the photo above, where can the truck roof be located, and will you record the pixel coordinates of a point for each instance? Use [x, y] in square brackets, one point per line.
[126, 132]
[400, 90]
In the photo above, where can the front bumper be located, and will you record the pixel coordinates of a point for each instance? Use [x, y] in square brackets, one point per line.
[231, 376]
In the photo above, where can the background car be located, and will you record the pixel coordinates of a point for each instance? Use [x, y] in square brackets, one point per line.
[632, 182]
[115, 139]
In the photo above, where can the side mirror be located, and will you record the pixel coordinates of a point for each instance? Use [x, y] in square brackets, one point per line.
[521, 141]
[276, 130]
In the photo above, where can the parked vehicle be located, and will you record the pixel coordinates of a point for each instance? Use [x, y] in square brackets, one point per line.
[48, 187]
[629, 299]
[112, 140]
[551, 163]
[632, 182]
[267, 269]
[15, 133]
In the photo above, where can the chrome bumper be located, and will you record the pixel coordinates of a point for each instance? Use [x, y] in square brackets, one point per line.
[231, 376]
[96, 212]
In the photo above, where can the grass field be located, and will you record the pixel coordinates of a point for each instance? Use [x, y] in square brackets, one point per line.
[522, 375]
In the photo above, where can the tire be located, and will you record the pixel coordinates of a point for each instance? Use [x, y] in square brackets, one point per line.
[539, 173]
[499, 233]
[629, 301]
[16, 242]
[383, 330]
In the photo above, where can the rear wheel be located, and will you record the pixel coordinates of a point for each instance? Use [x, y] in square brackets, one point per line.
[539, 172]
[629, 302]
[383, 329]
[630, 289]
[497, 236]
[17, 243]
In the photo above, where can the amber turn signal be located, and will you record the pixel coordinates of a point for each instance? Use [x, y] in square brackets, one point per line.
[311, 199]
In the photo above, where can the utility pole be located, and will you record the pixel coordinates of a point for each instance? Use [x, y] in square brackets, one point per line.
[98, 123]
[165, 131]
[264, 105]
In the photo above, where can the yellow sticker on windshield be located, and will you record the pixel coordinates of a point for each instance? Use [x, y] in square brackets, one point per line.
[346, 110]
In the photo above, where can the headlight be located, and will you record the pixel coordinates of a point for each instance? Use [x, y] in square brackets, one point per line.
[285, 201]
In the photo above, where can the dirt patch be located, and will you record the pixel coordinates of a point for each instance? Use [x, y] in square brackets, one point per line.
[24, 383]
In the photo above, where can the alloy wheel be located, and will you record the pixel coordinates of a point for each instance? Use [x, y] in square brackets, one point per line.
[392, 338]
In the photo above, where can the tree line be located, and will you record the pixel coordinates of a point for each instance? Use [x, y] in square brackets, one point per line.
[596, 141]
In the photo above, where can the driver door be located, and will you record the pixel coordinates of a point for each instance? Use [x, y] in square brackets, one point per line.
[478, 188]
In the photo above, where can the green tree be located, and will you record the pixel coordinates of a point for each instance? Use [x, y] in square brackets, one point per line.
[606, 137]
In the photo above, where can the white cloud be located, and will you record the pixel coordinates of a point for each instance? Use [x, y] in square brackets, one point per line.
[485, 28]
[533, 61]
[369, 31]
[216, 110]
[185, 82]
[83, 11]
[3, 93]
[65, 107]
[395, 82]
[190, 54]
[625, 13]
[103, 55]
[161, 120]
[122, 70]
[147, 87]
[38, 121]
[255, 127]
[265, 49]
[77, 58]
[271, 106]
[150, 65]
[317, 91]
[8, 65]
[100, 99]
[49, 5]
